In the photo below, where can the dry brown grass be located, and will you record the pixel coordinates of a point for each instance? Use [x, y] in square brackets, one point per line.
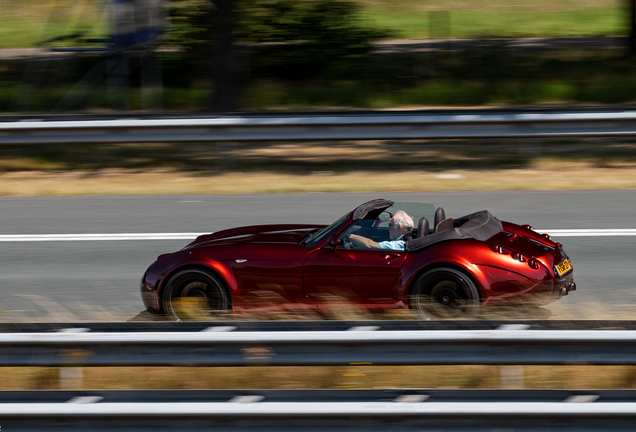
[543, 176]
[323, 377]
[346, 166]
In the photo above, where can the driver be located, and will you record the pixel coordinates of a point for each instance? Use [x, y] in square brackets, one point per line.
[399, 224]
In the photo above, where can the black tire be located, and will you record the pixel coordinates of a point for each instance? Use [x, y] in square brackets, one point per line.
[445, 293]
[195, 294]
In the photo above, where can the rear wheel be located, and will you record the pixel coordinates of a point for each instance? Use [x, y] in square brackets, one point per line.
[445, 293]
[195, 295]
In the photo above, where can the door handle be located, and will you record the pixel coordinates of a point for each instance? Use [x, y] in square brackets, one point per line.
[391, 256]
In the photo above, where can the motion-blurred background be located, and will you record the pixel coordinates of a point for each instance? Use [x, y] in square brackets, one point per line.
[218, 55]
[195, 57]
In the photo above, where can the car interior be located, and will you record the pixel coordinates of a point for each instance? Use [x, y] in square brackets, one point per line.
[441, 223]
[375, 226]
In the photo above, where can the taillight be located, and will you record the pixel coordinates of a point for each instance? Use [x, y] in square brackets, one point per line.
[499, 249]
[519, 257]
[533, 263]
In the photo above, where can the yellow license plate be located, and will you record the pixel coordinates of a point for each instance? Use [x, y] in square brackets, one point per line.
[563, 267]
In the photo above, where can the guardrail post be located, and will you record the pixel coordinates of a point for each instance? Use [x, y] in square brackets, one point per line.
[511, 376]
[71, 378]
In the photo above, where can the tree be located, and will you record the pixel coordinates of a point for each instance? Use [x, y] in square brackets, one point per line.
[632, 27]
[288, 34]
[224, 97]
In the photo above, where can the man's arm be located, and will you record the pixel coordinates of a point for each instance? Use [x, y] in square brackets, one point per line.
[393, 245]
[363, 242]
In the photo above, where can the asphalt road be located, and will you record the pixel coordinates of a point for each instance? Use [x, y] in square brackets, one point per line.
[97, 280]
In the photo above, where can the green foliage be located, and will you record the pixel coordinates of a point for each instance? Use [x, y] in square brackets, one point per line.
[311, 34]
[189, 23]
[26, 22]
[331, 24]
[289, 33]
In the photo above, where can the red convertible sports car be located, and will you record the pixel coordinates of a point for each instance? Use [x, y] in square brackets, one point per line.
[447, 268]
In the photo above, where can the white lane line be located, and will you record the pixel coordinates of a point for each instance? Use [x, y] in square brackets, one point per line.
[192, 236]
[97, 237]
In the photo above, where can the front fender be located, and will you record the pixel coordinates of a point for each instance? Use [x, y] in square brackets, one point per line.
[193, 258]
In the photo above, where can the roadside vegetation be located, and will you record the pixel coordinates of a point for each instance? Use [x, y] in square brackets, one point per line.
[336, 377]
[474, 19]
[488, 76]
[347, 166]
[320, 54]
[29, 22]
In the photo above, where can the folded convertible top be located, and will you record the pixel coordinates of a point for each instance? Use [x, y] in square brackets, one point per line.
[480, 226]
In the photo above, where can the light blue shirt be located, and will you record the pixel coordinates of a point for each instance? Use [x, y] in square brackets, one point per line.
[397, 244]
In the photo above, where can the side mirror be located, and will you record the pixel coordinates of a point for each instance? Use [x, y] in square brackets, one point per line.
[334, 242]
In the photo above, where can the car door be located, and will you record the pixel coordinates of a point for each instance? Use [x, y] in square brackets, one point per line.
[351, 272]
[270, 274]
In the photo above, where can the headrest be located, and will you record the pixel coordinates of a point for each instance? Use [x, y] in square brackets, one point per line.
[422, 228]
[440, 215]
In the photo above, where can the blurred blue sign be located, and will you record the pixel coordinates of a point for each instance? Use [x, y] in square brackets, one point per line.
[136, 23]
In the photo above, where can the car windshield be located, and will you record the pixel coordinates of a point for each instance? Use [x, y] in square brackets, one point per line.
[316, 236]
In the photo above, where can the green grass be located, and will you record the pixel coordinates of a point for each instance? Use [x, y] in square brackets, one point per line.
[608, 19]
[587, 22]
[27, 22]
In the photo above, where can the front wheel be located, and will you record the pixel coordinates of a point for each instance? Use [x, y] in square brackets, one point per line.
[445, 293]
[195, 295]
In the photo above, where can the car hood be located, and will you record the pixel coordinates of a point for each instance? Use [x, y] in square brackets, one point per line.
[256, 234]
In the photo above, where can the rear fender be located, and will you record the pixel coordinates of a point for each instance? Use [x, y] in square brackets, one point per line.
[440, 255]
[503, 284]
[493, 283]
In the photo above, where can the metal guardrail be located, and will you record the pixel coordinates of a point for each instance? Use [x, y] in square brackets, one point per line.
[401, 395]
[219, 345]
[409, 409]
[318, 325]
[319, 343]
[338, 126]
